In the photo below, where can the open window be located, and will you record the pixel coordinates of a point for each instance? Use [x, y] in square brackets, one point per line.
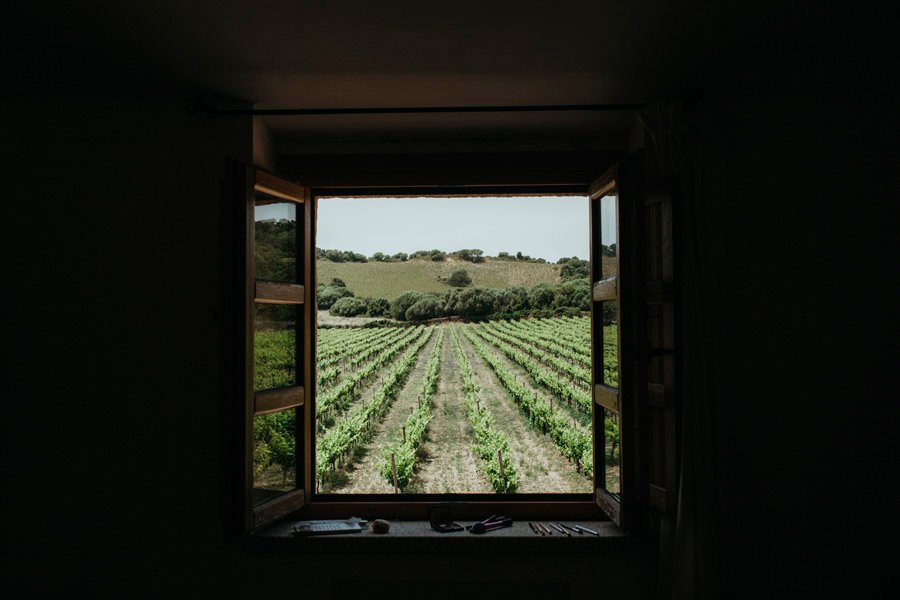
[282, 459]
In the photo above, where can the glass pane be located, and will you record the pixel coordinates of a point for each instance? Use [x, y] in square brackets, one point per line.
[274, 454]
[613, 455]
[610, 316]
[274, 346]
[276, 239]
[608, 227]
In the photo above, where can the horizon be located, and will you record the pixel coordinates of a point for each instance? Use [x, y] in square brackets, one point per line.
[450, 223]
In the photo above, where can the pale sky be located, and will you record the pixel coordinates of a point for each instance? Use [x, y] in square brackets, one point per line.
[548, 227]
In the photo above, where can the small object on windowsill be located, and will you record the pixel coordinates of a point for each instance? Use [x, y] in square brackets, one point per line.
[380, 526]
[546, 529]
[533, 530]
[326, 527]
[569, 527]
[561, 530]
[586, 530]
[491, 523]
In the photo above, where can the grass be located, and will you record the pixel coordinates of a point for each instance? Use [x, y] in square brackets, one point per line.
[389, 280]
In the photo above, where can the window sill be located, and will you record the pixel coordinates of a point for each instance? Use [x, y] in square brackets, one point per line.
[417, 536]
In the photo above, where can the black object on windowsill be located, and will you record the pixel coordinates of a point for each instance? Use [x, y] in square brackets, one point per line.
[489, 524]
[441, 519]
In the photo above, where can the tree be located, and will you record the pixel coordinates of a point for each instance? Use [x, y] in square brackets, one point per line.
[327, 295]
[427, 307]
[377, 307]
[378, 257]
[476, 302]
[542, 296]
[575, 293]
[459, 278]
[337, 282]
[400, 257]
[348, 307]
[512, 299]
[574, 268]
[402, 304]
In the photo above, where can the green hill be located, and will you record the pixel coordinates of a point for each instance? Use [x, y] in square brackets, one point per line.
[390, 279]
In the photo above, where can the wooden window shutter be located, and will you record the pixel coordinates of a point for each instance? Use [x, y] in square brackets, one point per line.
[278, 325]
[660, 372]
[614, 201]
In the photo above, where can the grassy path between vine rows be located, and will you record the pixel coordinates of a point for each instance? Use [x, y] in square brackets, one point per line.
[362, 476]
[449, 464]
[542, 469]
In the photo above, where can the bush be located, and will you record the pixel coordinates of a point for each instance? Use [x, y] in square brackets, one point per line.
[573, 268]
[541, 296]
[377, 307]
[348, 307]
[575, 294]
[327, 295]
[427, 307]
[459, 278]
[513, 299]
[475, 302]
[402, 304]
[337, 282]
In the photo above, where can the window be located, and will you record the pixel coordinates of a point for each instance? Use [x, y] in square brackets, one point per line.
[281, 469]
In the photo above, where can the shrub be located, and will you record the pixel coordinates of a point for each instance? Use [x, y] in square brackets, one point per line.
[348, 307]
[327, 295]
[427, 307]
[459, 278]
[337, 282]
[541, 296]
[575, 293]
[513, 299]
[402, 304]
[377, 307]
[475, 302]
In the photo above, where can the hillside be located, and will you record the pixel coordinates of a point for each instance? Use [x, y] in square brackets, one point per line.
[389, 280]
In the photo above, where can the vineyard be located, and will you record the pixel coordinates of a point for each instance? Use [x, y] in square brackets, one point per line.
[499, 406]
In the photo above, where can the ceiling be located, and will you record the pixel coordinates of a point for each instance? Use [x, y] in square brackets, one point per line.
[364, 53]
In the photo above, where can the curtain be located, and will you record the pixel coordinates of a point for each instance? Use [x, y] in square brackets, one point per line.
[688, 540]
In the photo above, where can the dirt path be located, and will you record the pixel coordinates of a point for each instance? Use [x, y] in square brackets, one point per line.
[542, 469]
[362, 477]
[449, 464]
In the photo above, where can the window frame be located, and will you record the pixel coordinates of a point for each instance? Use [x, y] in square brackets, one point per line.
[307, 503]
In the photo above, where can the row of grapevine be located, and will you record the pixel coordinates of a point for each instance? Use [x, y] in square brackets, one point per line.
[573, 443]
[491, 444]
[337, 398]
[405, 452]
[354, 430]
[576, 373]
[561, 387]
[574, 353]
[375, 340]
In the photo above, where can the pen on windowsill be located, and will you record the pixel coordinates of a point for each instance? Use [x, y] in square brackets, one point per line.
[586, 530]
[556, 527]
[561, 530]
[533, 530]
[570, 528]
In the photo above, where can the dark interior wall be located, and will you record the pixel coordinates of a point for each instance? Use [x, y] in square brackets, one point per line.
[111, 432]
[798, 179]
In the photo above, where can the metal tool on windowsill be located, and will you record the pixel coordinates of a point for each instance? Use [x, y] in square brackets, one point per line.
[489, 524]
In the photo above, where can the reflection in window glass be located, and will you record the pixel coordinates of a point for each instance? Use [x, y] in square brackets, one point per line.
[274, 454]
[274, 346]
[613, 456]
[610, 318]
[608, 249]
[276, 239]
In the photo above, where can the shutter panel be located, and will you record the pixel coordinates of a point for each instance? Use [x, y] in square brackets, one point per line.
[278, 323]
[660, 373]
[614, 200]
